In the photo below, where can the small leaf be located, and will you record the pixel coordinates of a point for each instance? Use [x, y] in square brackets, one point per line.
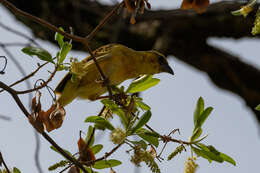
[200, 153]
[196, 133]
[144, 135]
[227, 158]
[142, 121]
[66, 47]
[211, 152]
[102, 164]
[198, 110]
[59, 37]
[257, 107]
[16, 170]
[202, 118]
[39, 52]
[100, 121]
[140, 104]
[97, 148]
[90, 131]
[54, 149]
[143, 83]
[62, 163]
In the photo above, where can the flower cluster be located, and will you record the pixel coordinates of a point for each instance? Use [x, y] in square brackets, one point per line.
[190, 165]
[77, 68]
[145, 156]
[117, 136]
[178, 150]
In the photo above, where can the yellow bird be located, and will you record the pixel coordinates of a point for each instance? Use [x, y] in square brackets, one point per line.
[118, 63]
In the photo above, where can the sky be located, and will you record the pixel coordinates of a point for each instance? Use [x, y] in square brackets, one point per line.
[232, 127]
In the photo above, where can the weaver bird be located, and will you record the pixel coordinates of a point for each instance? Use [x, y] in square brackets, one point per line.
[118, 63]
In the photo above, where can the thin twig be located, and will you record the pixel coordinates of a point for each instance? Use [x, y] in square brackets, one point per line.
[28, 76]
[40, 21]
[44, 84]
[104, 20]
[2, 161]
[5, 64]
[66, 168]
[166, 142]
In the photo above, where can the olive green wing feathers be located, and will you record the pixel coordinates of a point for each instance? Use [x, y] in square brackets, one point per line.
[99, 54]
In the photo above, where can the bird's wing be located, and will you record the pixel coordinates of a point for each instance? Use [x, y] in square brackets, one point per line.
[99, 52]
[61, 85]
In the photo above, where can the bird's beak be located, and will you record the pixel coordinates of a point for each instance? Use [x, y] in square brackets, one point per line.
[166, 68]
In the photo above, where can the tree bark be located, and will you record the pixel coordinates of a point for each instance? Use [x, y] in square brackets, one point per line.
[182, 34]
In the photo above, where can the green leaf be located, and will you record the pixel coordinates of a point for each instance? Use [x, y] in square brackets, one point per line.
[144, 134]
[16, 170]
[142, 84]
[211, 152]
[59, 37]
[97, 148]
[257, 107]
[62, 163]
[200, 153]
[142, 121]
[198, 110]
[90, 131]
[202, 118]
[39, 52]
[54, 149]
[66, 47]
[115, 109]
[102, 164]
[140, 104]
[227, 158]
[196, 133]
[99, 126]
[100, 121]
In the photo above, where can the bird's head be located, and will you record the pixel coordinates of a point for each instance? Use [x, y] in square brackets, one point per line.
[158, 62]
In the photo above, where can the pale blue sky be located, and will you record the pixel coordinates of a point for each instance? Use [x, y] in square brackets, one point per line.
[232, 128]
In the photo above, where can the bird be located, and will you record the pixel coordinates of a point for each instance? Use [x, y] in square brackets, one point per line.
[118, 64]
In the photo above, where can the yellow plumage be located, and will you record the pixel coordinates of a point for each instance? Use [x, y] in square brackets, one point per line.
[118, 63]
